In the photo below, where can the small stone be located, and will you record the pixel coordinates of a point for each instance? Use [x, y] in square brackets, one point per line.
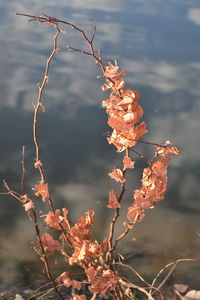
[192, 295]
[18, 297]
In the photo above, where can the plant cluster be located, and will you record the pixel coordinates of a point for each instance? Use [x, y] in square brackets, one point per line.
[76, 243]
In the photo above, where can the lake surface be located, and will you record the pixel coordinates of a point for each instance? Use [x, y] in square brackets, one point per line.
[157, 42]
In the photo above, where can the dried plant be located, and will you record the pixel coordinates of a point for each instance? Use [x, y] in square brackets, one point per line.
[76, 244]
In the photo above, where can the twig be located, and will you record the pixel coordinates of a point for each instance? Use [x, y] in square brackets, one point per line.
[39, 105]
[140, 155]
[131, 285]
[134, 271]
[179, 295]
[174, 265]
[109, 255]
[166, 278]
[33, 216]
[54, 22]
[22, 172]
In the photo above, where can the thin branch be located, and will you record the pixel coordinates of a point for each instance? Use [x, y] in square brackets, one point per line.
[134, 271]
[33, 216]
[141, 289]
[80, 51]
[179, 295]
[140, 155]
[12, 193]
[54, 22]
[166, 277]
[109, 255]
[40, 105]
[22, 172]
[45, 19]
[149, 143]
[123, 234]
[174, 265]
[94, 32]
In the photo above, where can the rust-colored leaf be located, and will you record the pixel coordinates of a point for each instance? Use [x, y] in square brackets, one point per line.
[118, 175]
[113, 201]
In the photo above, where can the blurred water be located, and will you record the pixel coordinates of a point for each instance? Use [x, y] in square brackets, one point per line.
[157, 42]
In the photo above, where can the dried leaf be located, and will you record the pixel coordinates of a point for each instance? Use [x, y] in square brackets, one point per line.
[49, 243]
[29, 205]
[129, 117]
[101, 280]
[38, 164]
[113, 201]
[41, 188]
[53, 219]
[163, 151]
[117, 174]
[67, 281]
[128, 163]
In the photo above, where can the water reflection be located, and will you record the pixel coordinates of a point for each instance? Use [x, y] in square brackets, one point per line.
[158, 45]
[194, 15]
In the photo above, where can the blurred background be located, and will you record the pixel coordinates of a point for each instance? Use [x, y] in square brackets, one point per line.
[157, 43]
